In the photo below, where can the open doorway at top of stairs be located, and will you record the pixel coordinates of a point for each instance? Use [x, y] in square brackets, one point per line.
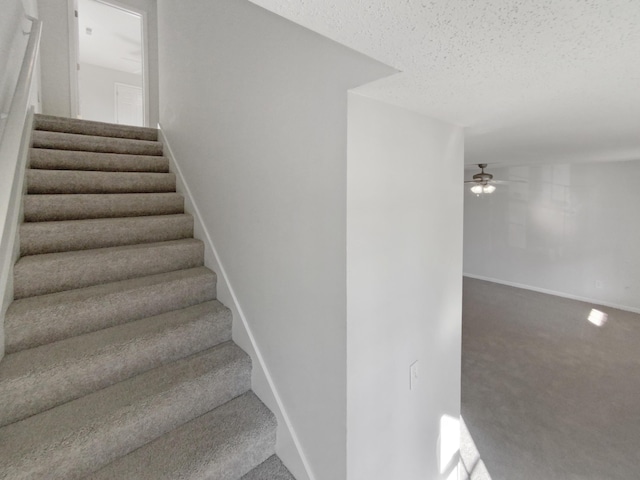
[110, 50]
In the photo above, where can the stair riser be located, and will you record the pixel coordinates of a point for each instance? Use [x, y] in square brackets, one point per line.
[49, 237]
[48, 208]
[84, 127]
[272, 468]
[249, 451]
[87, 143]
[100, 307]
[150, 347]
[69, 181]
[223, 444]
[130, 426]
[41, 158]
[93, 267]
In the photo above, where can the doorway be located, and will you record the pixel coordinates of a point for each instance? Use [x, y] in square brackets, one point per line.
[111, 66]
[129, 105]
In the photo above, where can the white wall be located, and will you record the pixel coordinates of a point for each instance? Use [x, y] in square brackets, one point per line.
[9, 55]
[56, 81]
[12, 49]
[97, 86]
[54, 57]
[255, 109]
[571, 229]
[404, 269]
[31, 8]
[14, 124]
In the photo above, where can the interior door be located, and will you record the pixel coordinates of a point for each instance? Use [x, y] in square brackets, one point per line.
[129, 105]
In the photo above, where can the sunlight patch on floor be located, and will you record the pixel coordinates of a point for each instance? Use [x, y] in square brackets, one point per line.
[597, 317]
[471, 465]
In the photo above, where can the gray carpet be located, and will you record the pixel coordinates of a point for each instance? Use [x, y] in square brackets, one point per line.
[73, 181]
[88, 143]
[271, 469]
[119, 359]
[46, 208]
[42, 158]
[546, 394]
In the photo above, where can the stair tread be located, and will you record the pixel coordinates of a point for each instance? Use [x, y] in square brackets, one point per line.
[271, 469]
[44, 158]
[94, 143]
[34, 321]
[83, 234]
[222, 444]
[55, 272]
[41, 378]
[46, 257]
[82, 181]
[72, 125]
[78, 437]
[112, 205]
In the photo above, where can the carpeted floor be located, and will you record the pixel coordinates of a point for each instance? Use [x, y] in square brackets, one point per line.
[546, 394]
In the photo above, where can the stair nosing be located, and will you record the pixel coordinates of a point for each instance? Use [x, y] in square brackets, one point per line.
[94, 415]
[51, 181]
[97, 138]
[94, 143]
[76, 206]
[32, 258]
[40, 264]
[31, 371]
[255, 424]
[91, 160]
[57, 304]
[73, 121]
[34, 235]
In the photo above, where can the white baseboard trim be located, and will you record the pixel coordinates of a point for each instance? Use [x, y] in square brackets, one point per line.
[626, 308]
[212, 260]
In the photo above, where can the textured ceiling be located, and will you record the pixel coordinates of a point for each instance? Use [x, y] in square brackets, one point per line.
[532, 80]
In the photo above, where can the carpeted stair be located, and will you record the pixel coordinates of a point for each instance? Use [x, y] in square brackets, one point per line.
[120, 363]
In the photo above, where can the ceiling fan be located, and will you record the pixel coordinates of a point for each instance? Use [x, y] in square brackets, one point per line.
[483, 182]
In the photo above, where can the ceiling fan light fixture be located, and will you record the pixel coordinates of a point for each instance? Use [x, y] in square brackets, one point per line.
[482, 183]
[479, 189]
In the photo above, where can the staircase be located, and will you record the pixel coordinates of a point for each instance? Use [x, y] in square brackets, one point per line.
[120, 363]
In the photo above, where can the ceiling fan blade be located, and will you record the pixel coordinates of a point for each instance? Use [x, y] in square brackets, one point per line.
[472, 181]
[506, 182]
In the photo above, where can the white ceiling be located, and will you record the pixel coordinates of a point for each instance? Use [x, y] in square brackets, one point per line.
[116, 39]
[534, 81]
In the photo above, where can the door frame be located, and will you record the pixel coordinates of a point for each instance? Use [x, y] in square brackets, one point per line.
[74, 58]
[74, 52]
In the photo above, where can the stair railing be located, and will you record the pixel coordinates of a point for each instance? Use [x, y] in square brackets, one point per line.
[14, 149]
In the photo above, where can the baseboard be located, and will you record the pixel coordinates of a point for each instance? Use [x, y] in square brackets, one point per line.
[262, 381]
[554, 292]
